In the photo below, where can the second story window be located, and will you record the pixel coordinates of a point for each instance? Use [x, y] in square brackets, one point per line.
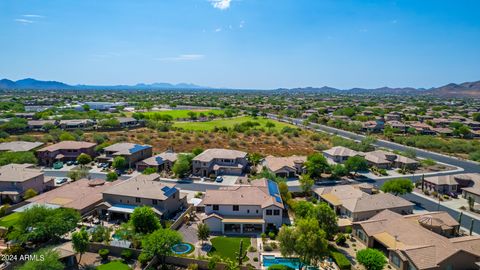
[269, 212]
[154, 202]
[236, 208]
[215, 207]
[276, 212]
[137, 200]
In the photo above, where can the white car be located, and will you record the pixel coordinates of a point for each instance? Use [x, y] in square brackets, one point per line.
[219, 179]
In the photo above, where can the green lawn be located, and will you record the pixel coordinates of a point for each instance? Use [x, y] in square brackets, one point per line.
[182, 113]
[9, 220]
[227, 247]
[114, 265]
[229, 123]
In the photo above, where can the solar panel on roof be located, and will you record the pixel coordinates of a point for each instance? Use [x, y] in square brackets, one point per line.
[159, 160]
[137, 147]
[165, 188]
[169, 192]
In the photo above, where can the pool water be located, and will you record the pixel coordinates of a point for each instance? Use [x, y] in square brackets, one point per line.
[181, 248]
[269, 260]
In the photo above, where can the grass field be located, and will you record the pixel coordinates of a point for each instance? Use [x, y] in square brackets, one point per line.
[178, 114]
[114, 265]
[229, 123]
[227, 247]
[9, 220]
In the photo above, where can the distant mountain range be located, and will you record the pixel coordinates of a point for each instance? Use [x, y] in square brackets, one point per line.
[33, 84]
[467, 89]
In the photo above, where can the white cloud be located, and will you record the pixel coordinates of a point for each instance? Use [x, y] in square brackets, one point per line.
[24, 21]
[218, 29]
[220, 4]
[183, 58]
[32, 16]
[242, 24]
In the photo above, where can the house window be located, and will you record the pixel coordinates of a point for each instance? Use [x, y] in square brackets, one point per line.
[276, 212]
[248, 211]
[395, 259]
[411, 266]
[269, 212]
[154, 202]
[256, 211]
[137, 200]
[215, 207]
[235, 208]
[173, 196]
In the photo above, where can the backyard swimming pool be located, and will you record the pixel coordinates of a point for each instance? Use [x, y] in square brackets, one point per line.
[269, 260]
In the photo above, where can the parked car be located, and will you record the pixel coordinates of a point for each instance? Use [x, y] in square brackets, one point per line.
[59, 181]
[69, 163]
[452, 194]
[219, 179]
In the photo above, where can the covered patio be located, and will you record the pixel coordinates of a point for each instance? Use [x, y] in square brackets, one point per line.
[243, 225]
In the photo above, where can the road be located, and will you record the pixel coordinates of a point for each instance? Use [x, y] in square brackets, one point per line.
[467, 166]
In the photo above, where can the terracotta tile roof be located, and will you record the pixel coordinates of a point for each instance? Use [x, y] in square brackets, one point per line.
[341, 151]
[261, 192]
[276, 163]
[65, 145]
[213, 153]
[143, 186]
[19, 146]
[18, 172]
[160, 159]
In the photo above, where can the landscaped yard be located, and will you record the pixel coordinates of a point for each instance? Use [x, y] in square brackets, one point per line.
[114, 265]
[229, 123]
[9, 220]
[176, 114]
[228, 247]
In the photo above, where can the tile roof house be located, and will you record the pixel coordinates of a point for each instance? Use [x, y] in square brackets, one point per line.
[219, 161]
[15, 179]
[82, 195]
[466, 183]
[285, 167]
[64, 151]
[130, 151]
[385, 160]
[420, 241]
[340, 154]
[356, 203]
[244, 209]
[162, 161]
[121, 199]
[19, 146]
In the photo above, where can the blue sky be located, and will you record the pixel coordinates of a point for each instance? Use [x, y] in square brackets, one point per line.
[259, 44]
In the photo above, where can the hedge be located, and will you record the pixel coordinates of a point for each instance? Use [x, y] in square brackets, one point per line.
[340, 259]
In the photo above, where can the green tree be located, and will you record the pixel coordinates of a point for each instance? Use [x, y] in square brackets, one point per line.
[255, 158]
[80, 242]
[66, 136]
[371, 258]
[398, 186]
[144, 220]
[327, 219]
[84, 159]
[29, 193]
[182, 166]
[51, 261]
[203, 232]
[192, 115]
[17, 158]
[305, 240]
[197, 151]
[40, 224]
[77, 174]
[356, 164]
[339, 170]
[119, 163]
[160, 243]
[316, 164]
[306, 184]
[269, 125]
[101, 234]
[149, 170]
[284, 193]
[112, 176]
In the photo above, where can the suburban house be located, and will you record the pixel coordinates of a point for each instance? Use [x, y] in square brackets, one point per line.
[340, 154]
[19, 146]
[15, 179]
[126, 122]
[39, 124]
[121, 199]
[457, 183]
[386, 160]
[373, 126]
[420, 241]
[356, 202]
[393, 116]
[82, 195]
[244, 209]
[162, 161]
[286, 167]
[130, 151]
[76, 124]
[219, 161]
[64, 151]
